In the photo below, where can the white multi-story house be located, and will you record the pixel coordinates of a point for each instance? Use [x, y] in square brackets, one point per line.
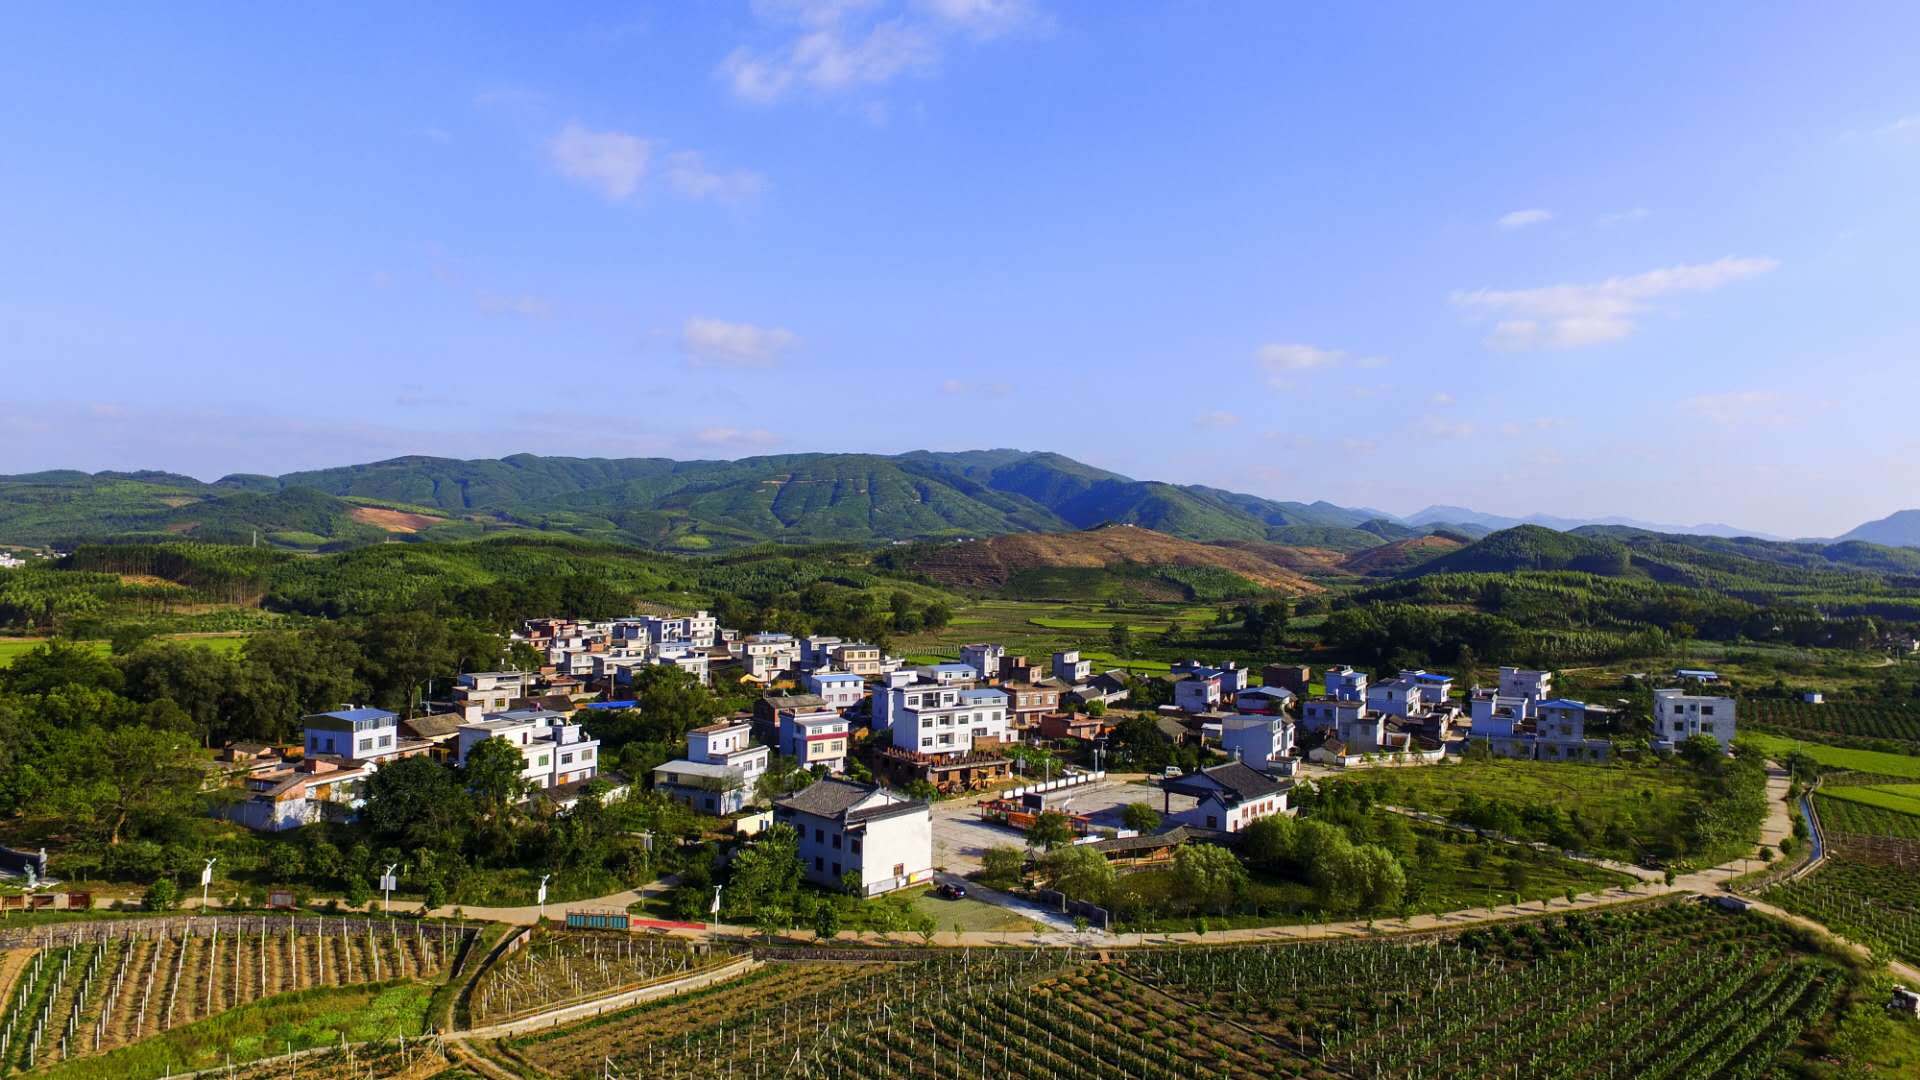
[928, 718]
[1527, 684]
[1196, 693]
[1560, 729]
[554, 749]
[1259, 741]
[1263, 700]
[958, 675]
[1364, 733]
[765, 656]
[883, 837]
[1495, 713]
[1400, 697]
[1678, 716]
[857, 657]
[841, 690]
[1231, 796]
[984, 657]
[1231, 676]
[719, 772]
[1069, 668]
[1330, 713]
[490, 691]
[1345, 683]
[814, 736]
[353, 733]
[816, 651]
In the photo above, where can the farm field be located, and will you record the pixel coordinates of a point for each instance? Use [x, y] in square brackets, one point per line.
[1847, 818]
[1778, 747]
[80, 996]
[1630, 808]
[11, 647]
[1039, 627]
[1899, 798]
[1846, 723]
[1575, 997]
[1866, 899]
[559, 967]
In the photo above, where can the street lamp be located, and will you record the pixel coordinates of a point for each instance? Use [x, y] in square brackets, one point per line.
[540, 902]
[387, 882]
[206, 880]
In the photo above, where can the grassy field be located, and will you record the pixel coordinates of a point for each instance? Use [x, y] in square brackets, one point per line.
[275, 1025]
[223, 643]
[1899, 798]
[1631, 808]
[1839, 757]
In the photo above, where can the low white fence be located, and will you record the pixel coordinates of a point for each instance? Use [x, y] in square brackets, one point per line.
[1055, 785]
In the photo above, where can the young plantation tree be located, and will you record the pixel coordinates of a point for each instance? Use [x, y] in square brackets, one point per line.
[1050, 830]
[1140, 817]
[1210, 876]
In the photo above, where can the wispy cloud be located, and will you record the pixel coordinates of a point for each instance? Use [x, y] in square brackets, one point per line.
[963, 388]
[851, 44]
[610, 162]
[735, 437]
[1285, 361]
[519, 305]
[1217, 420]
[1358, 446]
[688, 173]
[1576, 315]
[1740, 408]
[616, 164]
[1622, 217]
[1442, 428]
[1441, 398]
[718, 343]
[1520, 219]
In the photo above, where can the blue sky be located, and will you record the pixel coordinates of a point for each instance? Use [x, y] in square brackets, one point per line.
[1656, 260]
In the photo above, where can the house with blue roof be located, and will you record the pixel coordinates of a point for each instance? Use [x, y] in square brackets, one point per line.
[353, 733]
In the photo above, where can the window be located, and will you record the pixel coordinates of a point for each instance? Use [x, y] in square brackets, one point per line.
[899, 869]
[819, 863]
[542, 761]
[386, 740]
[819, 836]
[854, 843]
[836, 869]
[836, 841]
[1706, 710]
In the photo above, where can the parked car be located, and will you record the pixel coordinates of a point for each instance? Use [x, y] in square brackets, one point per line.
[1171, 772]
[952, 891]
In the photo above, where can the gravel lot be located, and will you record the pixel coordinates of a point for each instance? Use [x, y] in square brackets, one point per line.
[960, 837]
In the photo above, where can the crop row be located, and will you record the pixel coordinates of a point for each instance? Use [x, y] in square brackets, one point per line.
[558, 967]
[1850, 719]
[1868, 901]
[90, 997]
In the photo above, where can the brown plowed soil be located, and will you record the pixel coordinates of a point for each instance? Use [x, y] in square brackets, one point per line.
[1399, 555]
[394, 521]
[990, 563]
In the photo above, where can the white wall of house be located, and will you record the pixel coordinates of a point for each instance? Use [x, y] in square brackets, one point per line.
[1678, 715]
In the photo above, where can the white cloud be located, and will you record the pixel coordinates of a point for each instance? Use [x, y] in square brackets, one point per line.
[1520, 219]
[1745, 408]
[1296, 357]
[981, 18]
[717, 343]
[843, 45]
[1441, 398]
[1621, 217]
[688, 173]
[1217, 420]
[1904, 124]
[521, 305]
[733, 436]
[962, 388]
[611, 162]
[1370, 362]
[1358, 446]
[1439, 428]
[829, 60]
[1575, 315]
[1293, 440]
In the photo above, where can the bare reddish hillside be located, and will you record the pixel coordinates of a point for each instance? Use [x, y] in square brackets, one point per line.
[1400, 554]
[990, 563]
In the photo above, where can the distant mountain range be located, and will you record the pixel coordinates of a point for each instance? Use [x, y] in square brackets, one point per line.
[716, 505]
[1901, 529]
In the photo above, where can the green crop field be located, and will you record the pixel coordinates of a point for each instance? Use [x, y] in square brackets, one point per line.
[1670, 990]
[1899, 798]
[1846, 723]
[1839, 757]
[221, 643]
[1846, 817]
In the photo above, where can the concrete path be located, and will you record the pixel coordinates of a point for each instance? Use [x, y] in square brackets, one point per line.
[1052, 920]
[518, 916]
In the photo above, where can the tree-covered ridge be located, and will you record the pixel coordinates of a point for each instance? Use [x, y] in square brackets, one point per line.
[679, 505]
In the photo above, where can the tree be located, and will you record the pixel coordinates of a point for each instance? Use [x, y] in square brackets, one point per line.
[141, 774]
[1208, 875]
[1516, 875]
[1080, 872]
[420, 802]
[826, 922]
[492, 776]
[1140, 817]
[1701, 751]
[766, 873]
[1271, 842]
[1002, 865]
[162, 895]
[57, 664]
[1120, 640]
[1050, 830]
